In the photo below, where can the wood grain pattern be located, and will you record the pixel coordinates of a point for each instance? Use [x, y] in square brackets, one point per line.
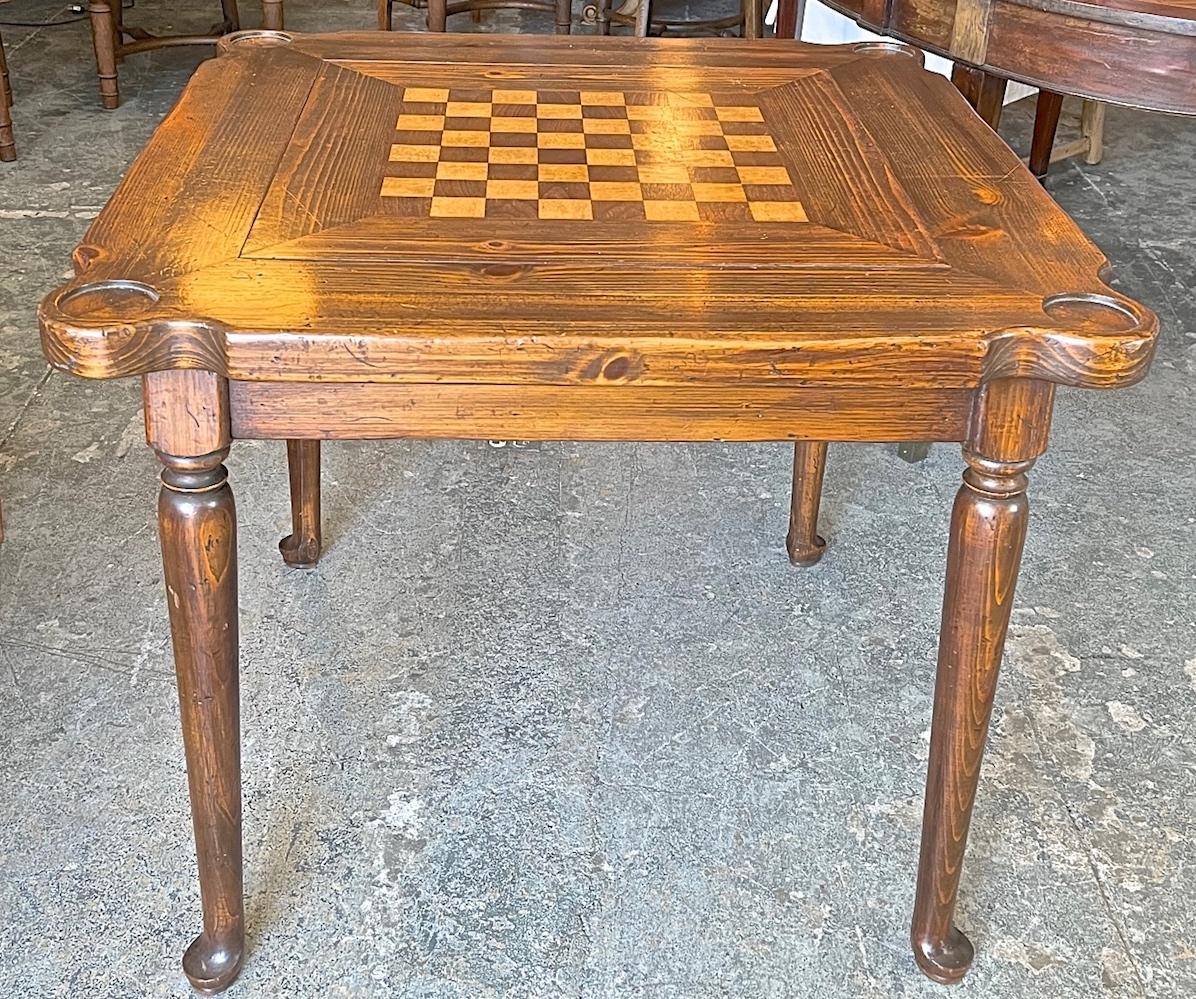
[547, 412]
[186, 412]
[969, 30]
[297, 265]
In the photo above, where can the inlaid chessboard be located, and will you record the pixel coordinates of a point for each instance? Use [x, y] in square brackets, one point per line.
[605, 155]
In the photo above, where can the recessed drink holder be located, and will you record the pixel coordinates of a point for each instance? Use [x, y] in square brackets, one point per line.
[254, 38]
[1090, 312]
[113, 298]
[890, 48]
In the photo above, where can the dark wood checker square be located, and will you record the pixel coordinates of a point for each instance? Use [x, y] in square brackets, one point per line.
[345, 237]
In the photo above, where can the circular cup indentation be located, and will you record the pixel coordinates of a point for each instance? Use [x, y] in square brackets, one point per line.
[889, 48]
[254, 38]
[1090, 312]
[108, 299]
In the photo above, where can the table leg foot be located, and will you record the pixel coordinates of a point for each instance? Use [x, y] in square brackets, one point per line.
[913, 452]
[944, 960]
[212, 965]
[301, 548]
[803, 542]
[197, 524]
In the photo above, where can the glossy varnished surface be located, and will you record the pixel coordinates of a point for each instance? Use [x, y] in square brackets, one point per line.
[817, 216]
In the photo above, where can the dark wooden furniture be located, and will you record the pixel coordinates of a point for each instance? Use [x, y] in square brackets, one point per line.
[749, 22]
[1139, 53]
[8, 146]
[473, 236]
[114, 40]
[439, 11]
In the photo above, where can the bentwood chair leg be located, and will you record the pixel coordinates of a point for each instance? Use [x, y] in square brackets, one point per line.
[803, 542]
[1046, 121]
[385, 19]
[301, 548]
[564, 16]
[988, 530]
[437, 15]
[197, 523]
[104, 38]
[8, 145]
[272, 15]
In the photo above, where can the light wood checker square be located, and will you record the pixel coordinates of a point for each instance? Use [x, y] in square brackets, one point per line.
[586, 148]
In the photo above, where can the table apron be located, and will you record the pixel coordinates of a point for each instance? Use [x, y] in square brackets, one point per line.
[357, 411]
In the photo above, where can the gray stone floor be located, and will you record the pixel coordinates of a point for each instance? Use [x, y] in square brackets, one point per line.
[561, 720]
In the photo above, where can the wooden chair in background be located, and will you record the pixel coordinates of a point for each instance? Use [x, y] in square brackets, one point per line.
[8, 146]
[985, 91]
[113, 40]
[638, 14]
[439, 11]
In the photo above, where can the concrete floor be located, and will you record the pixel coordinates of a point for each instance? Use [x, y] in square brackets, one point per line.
[561, 720]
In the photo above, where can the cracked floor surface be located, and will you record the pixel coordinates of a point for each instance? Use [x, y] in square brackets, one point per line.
[561, 720]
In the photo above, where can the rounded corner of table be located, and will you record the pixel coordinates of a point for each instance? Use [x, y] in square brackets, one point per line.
[106, 329]
[1096, 338]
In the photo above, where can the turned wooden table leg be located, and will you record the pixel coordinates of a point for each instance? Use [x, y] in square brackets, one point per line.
[197, 521]
[272, 16]
[187, 423]
[804, 544]
[988, 529]
[104, 38]
[301, 548]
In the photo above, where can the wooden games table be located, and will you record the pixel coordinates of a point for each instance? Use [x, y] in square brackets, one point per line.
[341, 237]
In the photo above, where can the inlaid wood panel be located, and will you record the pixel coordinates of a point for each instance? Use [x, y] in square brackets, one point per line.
[587, 155]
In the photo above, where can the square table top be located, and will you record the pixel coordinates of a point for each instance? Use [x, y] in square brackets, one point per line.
[524, 209]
